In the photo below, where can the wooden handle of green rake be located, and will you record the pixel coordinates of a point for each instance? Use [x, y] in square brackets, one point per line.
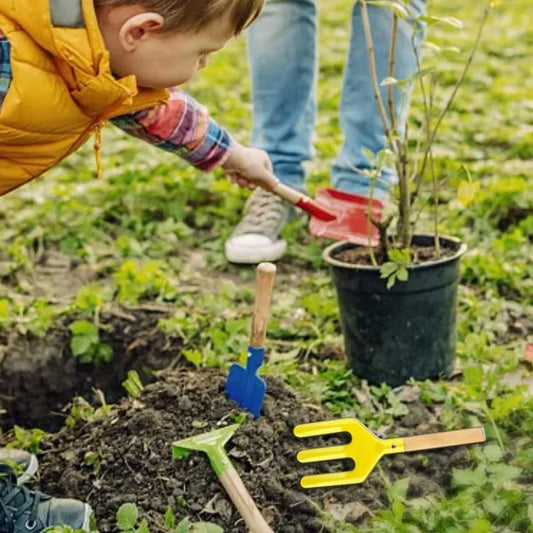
[241, 498]
[266, 273]
[442, 440]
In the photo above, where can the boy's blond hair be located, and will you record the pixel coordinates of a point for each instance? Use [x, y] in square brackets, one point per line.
[193, 15]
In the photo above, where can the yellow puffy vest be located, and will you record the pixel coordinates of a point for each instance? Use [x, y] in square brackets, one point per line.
[62, 88]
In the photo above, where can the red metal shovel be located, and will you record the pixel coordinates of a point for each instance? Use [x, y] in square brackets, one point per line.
[351, 222]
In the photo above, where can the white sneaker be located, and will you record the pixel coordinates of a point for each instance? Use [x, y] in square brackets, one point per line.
[256, 237]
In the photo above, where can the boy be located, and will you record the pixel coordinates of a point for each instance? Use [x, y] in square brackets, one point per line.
[66, 67]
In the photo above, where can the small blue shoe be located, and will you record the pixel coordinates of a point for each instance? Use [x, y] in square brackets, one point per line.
[26, 511]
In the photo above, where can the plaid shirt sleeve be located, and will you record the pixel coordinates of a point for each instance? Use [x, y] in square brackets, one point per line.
[181, 126]
[5, 67]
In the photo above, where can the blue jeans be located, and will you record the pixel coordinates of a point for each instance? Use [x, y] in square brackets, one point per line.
[282, 53]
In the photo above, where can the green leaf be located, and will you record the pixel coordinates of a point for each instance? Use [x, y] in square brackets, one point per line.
[493, 453]
[80, 344]
[502, 473]
[193, 356]
[480, 526]
[391, 281]
[104, 353]
[398, 490]
[402, 274]
[388, 269]
[369, 154]
[170, 519]
[204, 527]
[83, 327]
[475, 478]
[400, 256]
[127, 516]
[143, 527]
[390, 80]
[133, 384]
[450, 21]
[184, 526]
[399, 10]
[467, 192]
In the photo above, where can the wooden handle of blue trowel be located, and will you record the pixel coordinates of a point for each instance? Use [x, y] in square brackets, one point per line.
[266, 273]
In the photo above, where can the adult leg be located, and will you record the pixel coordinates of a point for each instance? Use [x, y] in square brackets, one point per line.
[282, 54]
[360, 119]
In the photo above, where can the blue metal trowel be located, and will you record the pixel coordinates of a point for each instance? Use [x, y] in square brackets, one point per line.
[244, 386]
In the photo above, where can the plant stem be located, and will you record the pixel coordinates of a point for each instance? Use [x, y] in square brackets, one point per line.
[400, 159]
[435, 192]
[372, 66]
[392, 58]
[383, 240]
[369, 221]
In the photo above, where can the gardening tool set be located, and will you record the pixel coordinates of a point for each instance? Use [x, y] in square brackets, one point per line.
[246, 388]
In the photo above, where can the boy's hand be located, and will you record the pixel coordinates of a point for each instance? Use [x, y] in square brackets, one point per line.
[250, 167]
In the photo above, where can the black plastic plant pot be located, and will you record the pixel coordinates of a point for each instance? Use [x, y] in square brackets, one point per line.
[407, 331]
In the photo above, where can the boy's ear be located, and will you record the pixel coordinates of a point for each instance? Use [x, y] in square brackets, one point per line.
[137, 28]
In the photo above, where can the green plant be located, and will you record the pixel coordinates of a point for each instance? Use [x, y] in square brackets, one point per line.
[26, 439]
[134, 281]
[396, 267]
[128, 522]
[133, 384]
[85, 343]
[82, 411]
[414, 166]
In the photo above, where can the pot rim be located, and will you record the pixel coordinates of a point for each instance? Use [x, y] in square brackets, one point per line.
[327, 255]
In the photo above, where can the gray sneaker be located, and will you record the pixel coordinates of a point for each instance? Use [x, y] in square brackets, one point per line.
[256, 237]
[24, 463]
[26, 511]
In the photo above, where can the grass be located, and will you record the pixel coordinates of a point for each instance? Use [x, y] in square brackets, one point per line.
[154, 228]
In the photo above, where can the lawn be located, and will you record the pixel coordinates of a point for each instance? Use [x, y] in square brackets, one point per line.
[128, 273]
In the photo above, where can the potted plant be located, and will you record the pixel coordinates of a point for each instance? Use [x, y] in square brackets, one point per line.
[398, 299]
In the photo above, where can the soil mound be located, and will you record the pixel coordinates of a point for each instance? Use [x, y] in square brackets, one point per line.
[126, 457]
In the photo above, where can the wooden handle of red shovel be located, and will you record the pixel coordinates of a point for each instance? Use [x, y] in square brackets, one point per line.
[303, 201]
[241, 498]
[442, 440]
[266, 273]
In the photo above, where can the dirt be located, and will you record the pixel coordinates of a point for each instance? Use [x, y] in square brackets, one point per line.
[358, 255]
[39, 376]
[133, 450]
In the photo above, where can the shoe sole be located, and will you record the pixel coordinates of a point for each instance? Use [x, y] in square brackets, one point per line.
[30, 471]
[252, 256]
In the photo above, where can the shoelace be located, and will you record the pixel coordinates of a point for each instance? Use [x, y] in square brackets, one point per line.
[21, 498]
[264, 214]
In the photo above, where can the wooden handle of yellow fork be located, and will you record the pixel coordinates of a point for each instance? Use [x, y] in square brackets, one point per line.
[241, 498]
[442, 440]
[266, 273]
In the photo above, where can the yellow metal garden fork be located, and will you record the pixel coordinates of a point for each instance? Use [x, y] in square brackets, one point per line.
[366, 449]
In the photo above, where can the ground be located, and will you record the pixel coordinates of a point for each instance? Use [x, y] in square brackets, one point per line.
[133, 265]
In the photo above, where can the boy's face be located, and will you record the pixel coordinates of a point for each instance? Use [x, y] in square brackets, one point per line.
[158, 60]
